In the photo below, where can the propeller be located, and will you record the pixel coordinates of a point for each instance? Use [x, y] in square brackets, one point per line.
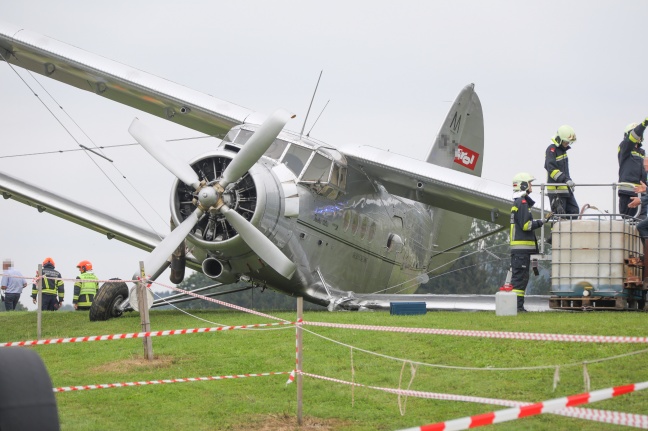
[209, 197]
[148, 139]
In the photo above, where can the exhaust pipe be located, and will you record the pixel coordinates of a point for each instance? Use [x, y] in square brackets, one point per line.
[219, 271]
[178, 261]
[212, 268]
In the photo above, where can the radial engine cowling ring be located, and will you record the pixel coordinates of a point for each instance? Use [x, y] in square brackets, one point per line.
[240, 196]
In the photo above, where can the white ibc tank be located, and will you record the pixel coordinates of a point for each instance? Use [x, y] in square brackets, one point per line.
[590, 254]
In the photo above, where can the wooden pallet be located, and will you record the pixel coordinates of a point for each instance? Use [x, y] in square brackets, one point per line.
[581, 303]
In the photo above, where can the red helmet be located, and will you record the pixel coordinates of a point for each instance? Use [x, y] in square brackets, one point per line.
[49, 260]
[85, 265]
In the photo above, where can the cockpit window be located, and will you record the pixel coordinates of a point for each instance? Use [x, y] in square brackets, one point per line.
[336, 174]
[276, 149]
[243, 137]
[296, 158]
[318, 170]
[342, 178]
[231, 135]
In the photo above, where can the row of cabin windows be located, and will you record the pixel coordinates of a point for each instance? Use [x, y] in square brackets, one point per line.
[328, 178]
[359, 225]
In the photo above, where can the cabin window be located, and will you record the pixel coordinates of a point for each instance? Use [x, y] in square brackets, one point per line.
[296, 158]
[372, 232]
[346, 221]
[355, 222]
[363, 227]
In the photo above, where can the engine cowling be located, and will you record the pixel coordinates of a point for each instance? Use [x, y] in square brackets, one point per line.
[256, 196]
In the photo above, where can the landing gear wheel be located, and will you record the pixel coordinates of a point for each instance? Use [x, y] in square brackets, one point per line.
[105, 303]
[27, 401]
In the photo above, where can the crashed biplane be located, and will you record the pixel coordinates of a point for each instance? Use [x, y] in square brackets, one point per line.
[344, 228]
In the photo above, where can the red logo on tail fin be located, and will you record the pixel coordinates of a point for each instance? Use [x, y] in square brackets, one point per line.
[466, 157]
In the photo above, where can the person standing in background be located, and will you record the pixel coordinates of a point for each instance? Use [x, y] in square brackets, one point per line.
[13, 284]
[631, 167]
[85, 288]
[53, 290]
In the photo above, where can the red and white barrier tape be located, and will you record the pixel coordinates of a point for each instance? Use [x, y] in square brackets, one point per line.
[187, 292]
[161, 382]
[291, 378]
[618, 418]
[550, 406]
[138, 335]
[489, 334]
[216, 301]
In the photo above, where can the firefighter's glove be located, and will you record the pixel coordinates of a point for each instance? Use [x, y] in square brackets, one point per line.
[570, 184]
[645, 122]
[548, 216]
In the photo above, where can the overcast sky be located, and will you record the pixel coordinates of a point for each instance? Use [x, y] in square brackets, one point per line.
[391, 71]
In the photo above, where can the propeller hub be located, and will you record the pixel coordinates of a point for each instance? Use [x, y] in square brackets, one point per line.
[208, 196]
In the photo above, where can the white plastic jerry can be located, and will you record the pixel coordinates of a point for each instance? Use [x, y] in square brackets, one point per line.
[506, 301]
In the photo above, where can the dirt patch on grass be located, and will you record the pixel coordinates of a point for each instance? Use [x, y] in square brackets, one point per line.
[289, 423]
[133, 363]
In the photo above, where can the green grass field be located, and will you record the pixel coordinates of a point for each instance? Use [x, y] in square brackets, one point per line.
[266, 403]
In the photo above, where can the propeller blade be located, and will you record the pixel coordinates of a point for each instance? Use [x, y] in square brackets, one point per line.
[155, 147]
[161, 253]
[259, 243]
[255, 146]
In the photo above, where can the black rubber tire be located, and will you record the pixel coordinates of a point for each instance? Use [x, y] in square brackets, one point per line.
[110, 294]
[27, 401]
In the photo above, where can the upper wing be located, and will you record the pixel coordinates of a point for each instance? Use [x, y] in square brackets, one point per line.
[121, 83]
[434, 185]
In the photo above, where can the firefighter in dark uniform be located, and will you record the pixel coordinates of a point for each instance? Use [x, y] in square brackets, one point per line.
[557, 166]
[631, 167]
[523, 241]
[85, 288]
[53, 290]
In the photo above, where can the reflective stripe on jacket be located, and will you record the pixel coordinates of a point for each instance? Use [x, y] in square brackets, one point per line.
[522, 238]
[50, 286]
[557, 167]
[85, 290]
[631, 157]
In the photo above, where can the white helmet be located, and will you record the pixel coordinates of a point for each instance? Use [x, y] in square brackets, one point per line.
[629, 130]
[565, 133]
[522, 181]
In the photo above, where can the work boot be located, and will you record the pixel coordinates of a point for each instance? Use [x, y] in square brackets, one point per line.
[520, 304]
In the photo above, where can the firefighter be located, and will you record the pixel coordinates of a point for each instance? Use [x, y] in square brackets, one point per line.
[86, 288]
[53, 290]
[523, 241]
[631, 167]
[557, 166]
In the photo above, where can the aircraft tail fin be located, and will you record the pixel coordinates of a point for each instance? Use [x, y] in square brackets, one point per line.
[459, 144]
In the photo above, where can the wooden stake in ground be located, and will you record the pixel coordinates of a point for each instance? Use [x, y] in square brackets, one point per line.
[142, 301]
[39, 302]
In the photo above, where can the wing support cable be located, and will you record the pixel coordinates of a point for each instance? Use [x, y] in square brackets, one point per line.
[86, 148]
[328, 292]
[480, 237]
